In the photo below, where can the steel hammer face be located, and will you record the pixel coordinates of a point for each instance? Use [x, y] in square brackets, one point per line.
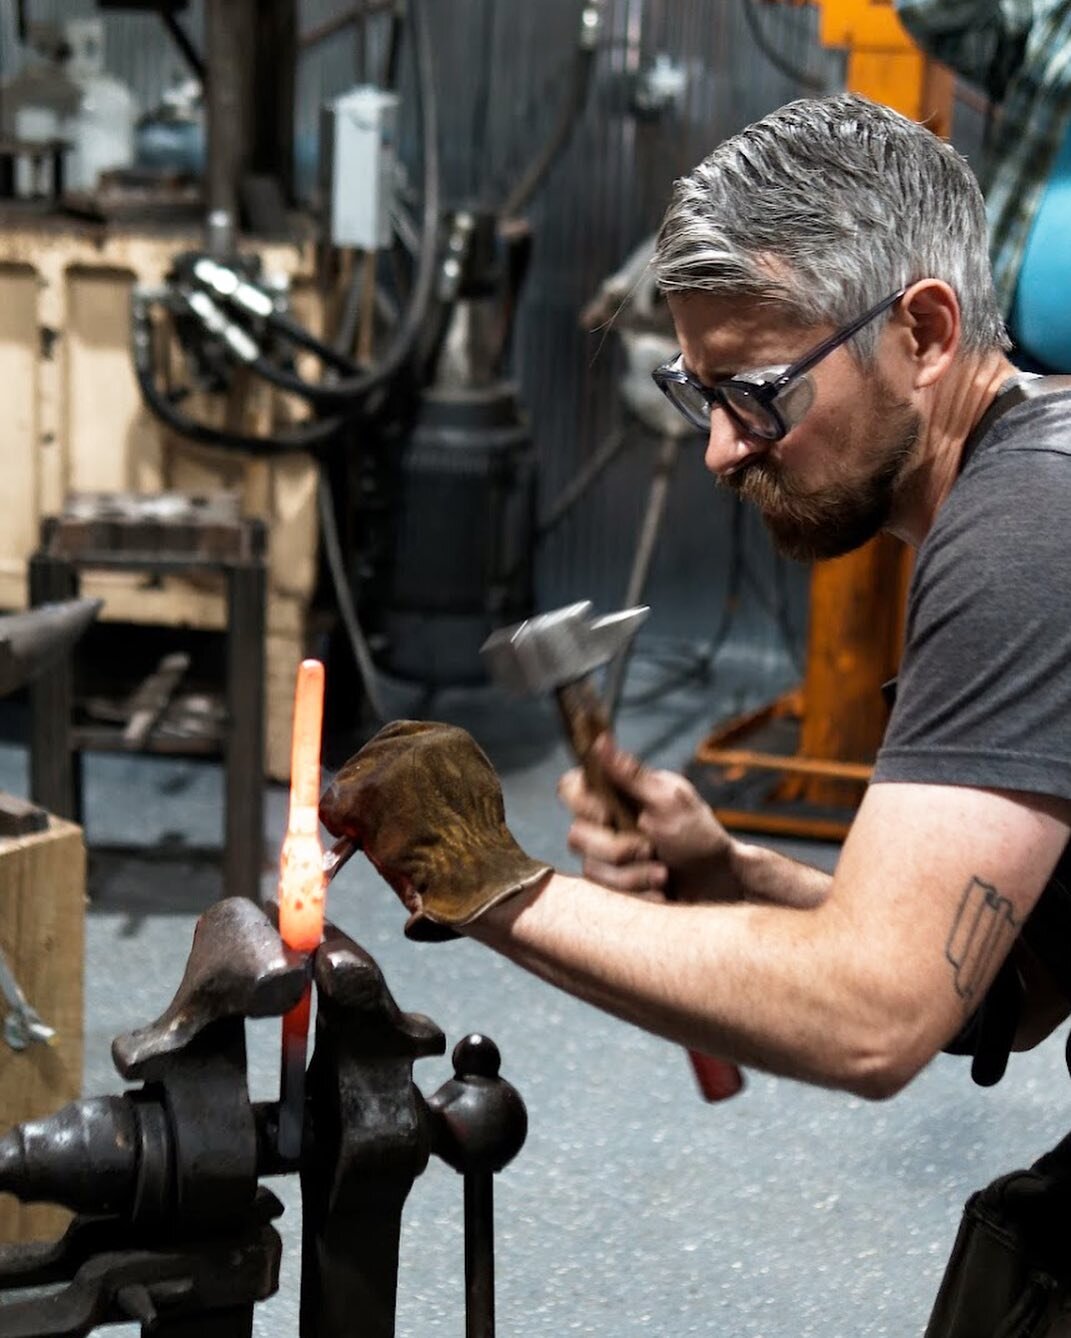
[550, 650]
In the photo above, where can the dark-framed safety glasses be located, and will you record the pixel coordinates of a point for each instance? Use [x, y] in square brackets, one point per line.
[766, 403]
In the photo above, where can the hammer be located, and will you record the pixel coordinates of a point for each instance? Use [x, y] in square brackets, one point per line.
[560, 651]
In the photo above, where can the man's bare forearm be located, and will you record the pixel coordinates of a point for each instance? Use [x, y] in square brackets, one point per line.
[767, 876]
[764, 985]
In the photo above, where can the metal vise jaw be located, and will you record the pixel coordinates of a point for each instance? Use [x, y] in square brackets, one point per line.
[370, 1135]
[174, 1231]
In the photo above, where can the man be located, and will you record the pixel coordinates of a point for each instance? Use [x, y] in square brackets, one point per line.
[840, 342]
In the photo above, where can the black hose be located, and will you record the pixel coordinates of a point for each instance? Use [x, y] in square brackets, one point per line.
[310, 436]
[532, 176]
[581, 482]
[337, 568]
[355, 384]
[692, 666]
[577, 487]
[394, 46]
[297, 334]
[802, 77]
[181, 38]
[324, 394]
[481, 104]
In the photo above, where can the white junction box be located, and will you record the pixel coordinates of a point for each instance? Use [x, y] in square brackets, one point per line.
[358, 159]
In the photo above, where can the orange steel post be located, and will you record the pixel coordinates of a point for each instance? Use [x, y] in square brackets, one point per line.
[857, 601]
[302, 888]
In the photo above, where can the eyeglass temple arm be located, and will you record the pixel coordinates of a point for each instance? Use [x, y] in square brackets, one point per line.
[841, 337]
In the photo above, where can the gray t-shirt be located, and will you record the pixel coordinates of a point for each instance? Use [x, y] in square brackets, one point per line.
[983, 696]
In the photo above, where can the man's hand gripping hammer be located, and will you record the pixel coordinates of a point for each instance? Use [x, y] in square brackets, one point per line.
[559, 652]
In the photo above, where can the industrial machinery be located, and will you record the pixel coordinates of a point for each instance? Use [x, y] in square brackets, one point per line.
[425, 443]
[397, 377]
[174, 1229]
[364, 321]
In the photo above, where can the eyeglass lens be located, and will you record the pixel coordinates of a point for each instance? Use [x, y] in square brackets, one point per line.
[749, 412]
[691, 402]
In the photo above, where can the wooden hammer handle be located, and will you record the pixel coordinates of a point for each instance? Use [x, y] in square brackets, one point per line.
[585, 718]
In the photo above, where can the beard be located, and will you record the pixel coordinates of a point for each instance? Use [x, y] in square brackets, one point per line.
[827, 522]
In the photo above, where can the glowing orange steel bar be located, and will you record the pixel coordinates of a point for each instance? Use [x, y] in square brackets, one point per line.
[302, 888]
[302, 885]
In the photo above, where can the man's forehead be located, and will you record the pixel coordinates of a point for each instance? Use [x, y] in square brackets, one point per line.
[719, 333]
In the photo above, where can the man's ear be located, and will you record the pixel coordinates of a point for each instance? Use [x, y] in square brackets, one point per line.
[930, 325]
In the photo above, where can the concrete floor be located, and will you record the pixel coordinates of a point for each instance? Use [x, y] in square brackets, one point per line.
[634, 1208]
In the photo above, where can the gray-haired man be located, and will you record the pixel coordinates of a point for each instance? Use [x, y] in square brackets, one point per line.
[841, 346]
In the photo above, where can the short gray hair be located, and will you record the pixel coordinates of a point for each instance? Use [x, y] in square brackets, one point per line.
[826, 206]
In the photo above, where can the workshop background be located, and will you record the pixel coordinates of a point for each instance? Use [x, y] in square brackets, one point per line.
[633, 1208]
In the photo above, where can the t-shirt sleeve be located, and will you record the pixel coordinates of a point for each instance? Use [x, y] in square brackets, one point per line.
[984, 690]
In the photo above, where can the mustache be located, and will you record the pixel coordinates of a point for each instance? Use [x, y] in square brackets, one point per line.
[812, 525]
[765, 484]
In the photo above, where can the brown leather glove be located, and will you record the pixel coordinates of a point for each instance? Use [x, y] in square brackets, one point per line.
[424, 803]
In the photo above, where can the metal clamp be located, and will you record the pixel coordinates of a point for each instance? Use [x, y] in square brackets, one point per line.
[23, 1025]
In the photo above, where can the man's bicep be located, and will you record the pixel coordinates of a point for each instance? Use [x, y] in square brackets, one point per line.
[937, 880]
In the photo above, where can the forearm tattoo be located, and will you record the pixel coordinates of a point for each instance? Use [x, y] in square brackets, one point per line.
[981, 929]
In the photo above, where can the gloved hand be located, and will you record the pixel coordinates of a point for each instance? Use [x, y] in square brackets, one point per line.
[425, 804]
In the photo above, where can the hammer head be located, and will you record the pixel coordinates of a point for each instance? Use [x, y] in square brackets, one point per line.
[552, 649]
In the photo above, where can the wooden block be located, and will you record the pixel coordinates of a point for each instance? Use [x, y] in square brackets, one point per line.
[42, 933]
[20, 343]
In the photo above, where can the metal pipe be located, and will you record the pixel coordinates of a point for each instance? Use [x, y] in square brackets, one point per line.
[181, 38]
[641, 563]
[479, 1254]
[230, 27]
[271, 131]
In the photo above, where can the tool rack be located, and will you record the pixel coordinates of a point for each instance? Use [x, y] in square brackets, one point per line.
[157, 537]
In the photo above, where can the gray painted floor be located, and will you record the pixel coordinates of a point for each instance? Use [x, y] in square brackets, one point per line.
[634, 1209]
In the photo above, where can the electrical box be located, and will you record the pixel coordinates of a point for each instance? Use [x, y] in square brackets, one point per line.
[358, 165]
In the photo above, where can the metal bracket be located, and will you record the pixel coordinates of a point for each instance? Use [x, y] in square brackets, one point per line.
[23, 1025]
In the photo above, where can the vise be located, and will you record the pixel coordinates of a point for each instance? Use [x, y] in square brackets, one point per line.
[173, 1229]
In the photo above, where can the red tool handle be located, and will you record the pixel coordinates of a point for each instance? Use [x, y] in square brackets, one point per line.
[718, 1079]
[584, 718]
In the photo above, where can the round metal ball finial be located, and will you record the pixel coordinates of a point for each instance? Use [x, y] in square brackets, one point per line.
[476, 1056]
[482, 1121]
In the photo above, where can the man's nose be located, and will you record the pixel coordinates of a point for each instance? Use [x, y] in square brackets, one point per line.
[728, 447]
